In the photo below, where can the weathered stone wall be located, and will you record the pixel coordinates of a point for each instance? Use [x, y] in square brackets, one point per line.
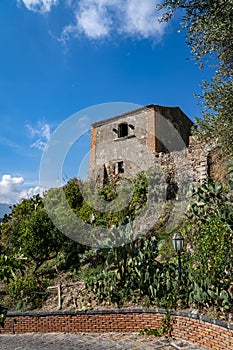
[156, 135]
[152, 143]
[92, 149]
[178, 171]
[173, 128]
[189, 165]
[110, 149]
[151, 130]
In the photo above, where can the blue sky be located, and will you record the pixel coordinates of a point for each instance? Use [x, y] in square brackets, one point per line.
[61, 56]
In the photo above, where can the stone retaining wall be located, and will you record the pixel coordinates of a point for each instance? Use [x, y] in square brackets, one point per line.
[200, 330]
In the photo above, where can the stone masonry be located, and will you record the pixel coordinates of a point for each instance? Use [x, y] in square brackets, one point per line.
[126, 144]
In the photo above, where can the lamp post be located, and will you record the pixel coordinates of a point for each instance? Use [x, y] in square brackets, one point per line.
[178, 245]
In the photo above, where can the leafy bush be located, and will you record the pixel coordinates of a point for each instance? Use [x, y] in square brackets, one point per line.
[134, 271]
[209, 235]
[3, 313]
[27, 292]
[126, 272]
[144, 268]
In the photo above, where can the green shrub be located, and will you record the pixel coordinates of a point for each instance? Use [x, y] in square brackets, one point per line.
[27, 292]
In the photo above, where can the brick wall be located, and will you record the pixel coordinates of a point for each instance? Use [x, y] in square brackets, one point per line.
[199, 330]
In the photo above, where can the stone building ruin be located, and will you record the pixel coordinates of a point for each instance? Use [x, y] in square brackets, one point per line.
[135, 141]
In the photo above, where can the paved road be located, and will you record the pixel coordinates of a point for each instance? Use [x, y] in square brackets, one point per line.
[93, 341]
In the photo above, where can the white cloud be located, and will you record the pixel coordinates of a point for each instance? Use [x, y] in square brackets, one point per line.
[103, 18]
[41, 135]
[93, 22]
[12, 189]
[91, 19]
[30, 192]
[97, 19]
[41, 6]
[141, 19]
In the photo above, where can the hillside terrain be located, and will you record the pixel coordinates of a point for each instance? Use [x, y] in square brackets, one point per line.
[43, 269]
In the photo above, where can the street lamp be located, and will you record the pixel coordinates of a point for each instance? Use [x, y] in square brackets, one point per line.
[178, 245]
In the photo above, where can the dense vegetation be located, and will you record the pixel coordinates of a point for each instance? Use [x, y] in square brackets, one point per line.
[208, 25]
[34, 253]
[147, 268]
